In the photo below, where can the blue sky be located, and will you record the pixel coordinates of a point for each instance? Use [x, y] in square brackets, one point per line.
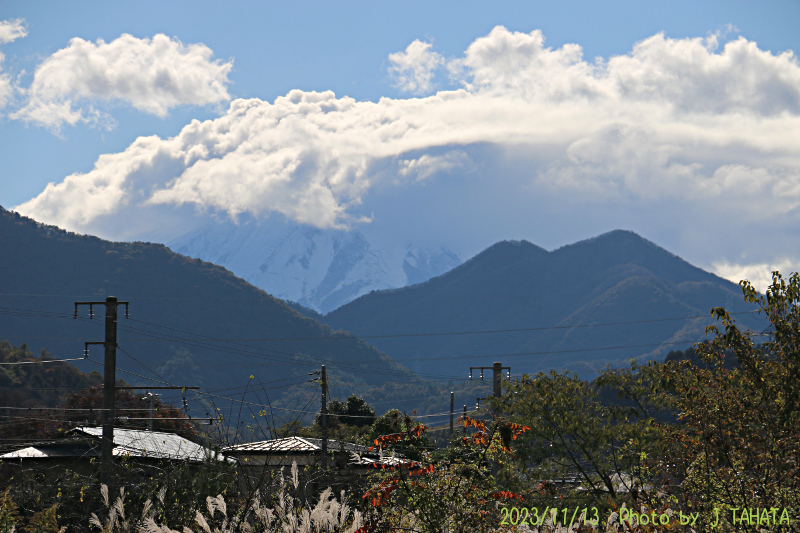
[465, 122]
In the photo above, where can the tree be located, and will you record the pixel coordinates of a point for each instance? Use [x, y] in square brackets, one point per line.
[574, 436]
[85, 407]
[738, 442]
[354, 411]
[455, 492]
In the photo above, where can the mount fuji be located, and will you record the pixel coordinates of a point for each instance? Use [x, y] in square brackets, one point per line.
[319, 269]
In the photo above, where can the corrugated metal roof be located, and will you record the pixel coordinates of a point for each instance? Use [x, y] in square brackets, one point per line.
[295, 445]
[151, 444]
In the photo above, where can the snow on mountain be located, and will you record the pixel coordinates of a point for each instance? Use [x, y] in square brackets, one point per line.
[320, 269]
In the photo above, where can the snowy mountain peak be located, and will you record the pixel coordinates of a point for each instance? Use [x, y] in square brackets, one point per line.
[320, 269]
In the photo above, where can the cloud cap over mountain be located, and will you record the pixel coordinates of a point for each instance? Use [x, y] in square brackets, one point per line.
[675, 136]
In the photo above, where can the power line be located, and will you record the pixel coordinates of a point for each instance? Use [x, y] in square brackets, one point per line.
[129, 372]
[93, 409]
[550, 352]
[355, 336]
[42, 361]
[353, 365]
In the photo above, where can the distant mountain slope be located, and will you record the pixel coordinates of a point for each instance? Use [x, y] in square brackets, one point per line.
[616, 278]
[180, 308]
[320, 269]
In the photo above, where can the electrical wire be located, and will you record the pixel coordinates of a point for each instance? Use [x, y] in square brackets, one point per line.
[353, 365]
[550, 352]
[354, 336]
[42, 361]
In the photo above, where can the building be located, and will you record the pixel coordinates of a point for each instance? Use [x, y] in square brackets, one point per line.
[261, 463]
[78, 452]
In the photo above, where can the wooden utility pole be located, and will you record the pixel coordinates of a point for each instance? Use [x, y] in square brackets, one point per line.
[109, 381]
[452, 405]
[497, 379]
[324, 416]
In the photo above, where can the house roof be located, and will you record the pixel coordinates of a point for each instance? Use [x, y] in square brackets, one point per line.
[85, 442]
[360, 455]
[151, 444]
[294, 445]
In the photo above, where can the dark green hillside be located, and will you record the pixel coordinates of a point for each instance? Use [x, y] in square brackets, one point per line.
[40, 384]
[192, 322]
[617, 278]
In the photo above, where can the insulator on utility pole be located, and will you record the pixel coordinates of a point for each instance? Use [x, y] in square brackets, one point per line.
[497, 376]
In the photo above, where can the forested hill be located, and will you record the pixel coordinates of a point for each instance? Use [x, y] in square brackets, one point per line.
[30, 381]
[192, 323]
[599, 301]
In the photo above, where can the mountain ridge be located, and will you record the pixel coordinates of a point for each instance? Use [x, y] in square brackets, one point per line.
[564, 296]
[183, 311]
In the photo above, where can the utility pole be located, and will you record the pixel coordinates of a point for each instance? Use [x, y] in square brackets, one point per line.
[109, 381]
[465, 418]
[324, 415]
[497, 379]
[497, 376]
[151, 397]
[452, 405]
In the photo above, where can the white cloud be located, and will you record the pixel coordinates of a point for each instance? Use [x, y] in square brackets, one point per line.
[427, 165]
[6, 87]
[673, 136]
[759, 274]
[413, 70]
[518, 64]
[688, 76]
[152, 75]
[11, 30]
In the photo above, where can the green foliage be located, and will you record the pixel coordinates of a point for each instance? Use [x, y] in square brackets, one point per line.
[34, 385]
[354, 412]
[45, 521]
[739, 438]
[9, 513]
[574, 435]
[392, 421]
